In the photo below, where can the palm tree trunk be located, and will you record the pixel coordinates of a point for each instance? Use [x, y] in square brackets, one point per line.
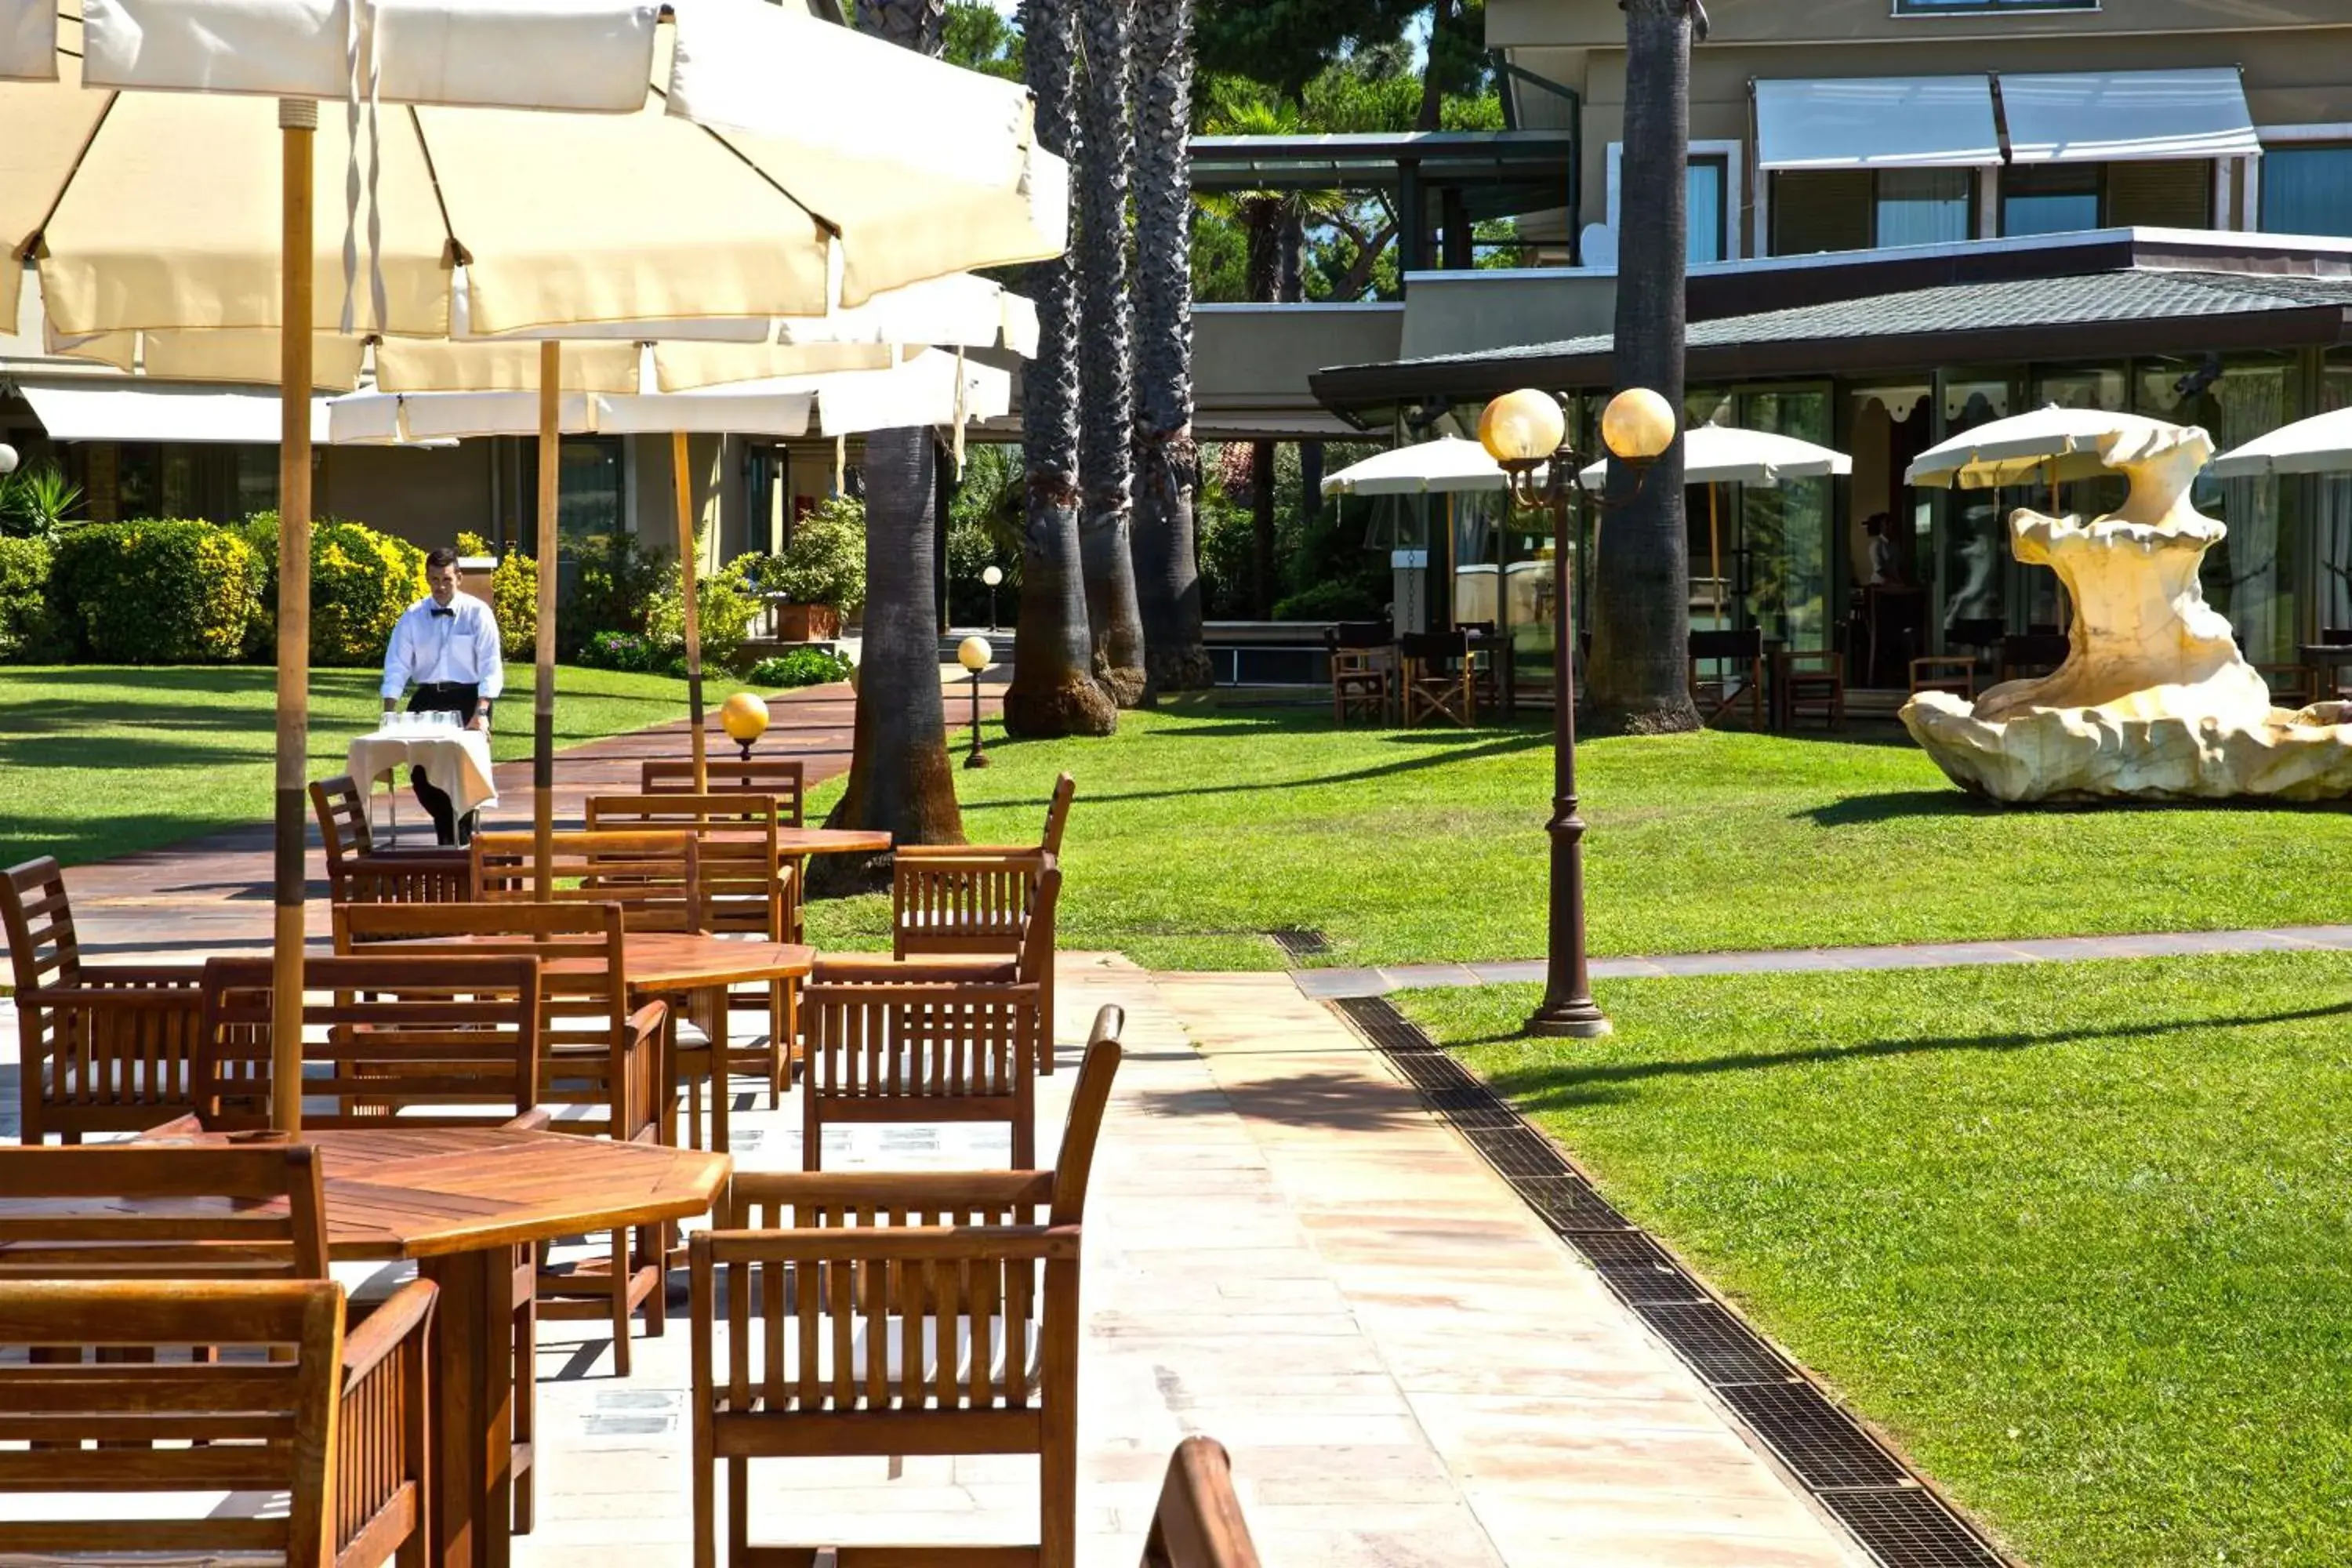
[900, 777]
[1105, 466]
[1640, 617]
[1054, 692]
[1167, 462]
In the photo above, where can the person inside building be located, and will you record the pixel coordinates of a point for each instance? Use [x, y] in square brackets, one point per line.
[446, 646]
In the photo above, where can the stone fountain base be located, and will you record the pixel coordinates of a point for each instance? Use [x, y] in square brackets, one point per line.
[2095, 753]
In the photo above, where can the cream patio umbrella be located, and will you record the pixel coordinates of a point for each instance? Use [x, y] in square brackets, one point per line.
[1716, 455]
[2051, 444]
[135, 172]
[2319, 444]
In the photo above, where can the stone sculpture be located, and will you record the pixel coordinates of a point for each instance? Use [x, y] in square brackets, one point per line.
[2154, 700]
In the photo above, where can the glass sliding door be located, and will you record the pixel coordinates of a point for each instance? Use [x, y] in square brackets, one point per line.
[1972, 573]
[2331, 519]
[1785, 531]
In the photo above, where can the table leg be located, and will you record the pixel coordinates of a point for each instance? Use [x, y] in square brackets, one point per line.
[474, 1368]
[712, 1008]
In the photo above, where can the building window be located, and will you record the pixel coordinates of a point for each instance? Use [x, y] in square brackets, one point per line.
[1967, 7]
[1924, 206]
[2064, 198]
[1709, 187]
[2050, 198]
[1856, 209]
[2307, 190]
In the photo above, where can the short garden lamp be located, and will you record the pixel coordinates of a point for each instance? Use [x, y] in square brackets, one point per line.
[745, 718]
[8, 464]
[992, 576]
[1526, 433]
[974, 654]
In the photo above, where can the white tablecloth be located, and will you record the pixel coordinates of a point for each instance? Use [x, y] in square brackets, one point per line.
[455, 762]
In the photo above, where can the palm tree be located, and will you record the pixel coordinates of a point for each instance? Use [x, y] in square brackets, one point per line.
[1054, 692]
[1107, 377]
[900, 777]
[1641, 614]
[1168, 463]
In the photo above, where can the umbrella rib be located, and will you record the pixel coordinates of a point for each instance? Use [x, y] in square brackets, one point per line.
[459, 254]
[829, 227]
[34, 240]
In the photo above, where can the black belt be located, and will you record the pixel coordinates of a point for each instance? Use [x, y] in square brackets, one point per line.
[448, 685]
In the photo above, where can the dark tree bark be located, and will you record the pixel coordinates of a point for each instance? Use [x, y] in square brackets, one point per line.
[1054, 692]
[1107, 375]
[1641, 615]
[1310, 478]
[1167, 462]
[900, 777]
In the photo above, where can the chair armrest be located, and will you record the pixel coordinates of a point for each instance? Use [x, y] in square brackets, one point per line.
[900, 1244]
[896, 1189]
[380, 1332]
[538, 1119]
[646, 1022]
[104, 980]
[880, 968]
[951, 851]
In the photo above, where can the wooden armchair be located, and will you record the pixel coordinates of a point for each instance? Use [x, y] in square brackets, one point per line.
[1363, 669]
[337, 1424]
[898, 1313]
[1437, 679]
[1739, 653]
[1955, 673]
[922, 1053]
[359, 872]
[1198, 1521]
[1816, 678]
[101, 1048]
[655, 877]
[595, 1057]
[747, 888]
[732, 776]
[1057, 819]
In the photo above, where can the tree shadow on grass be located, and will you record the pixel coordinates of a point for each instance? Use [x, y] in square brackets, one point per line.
[1561, 1087]
[1478, 752]
[1346, 1102]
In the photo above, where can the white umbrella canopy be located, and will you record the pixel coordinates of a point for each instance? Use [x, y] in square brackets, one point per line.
[1448, 464]
[1724, 455]
[2050, 445]
[2320, 445]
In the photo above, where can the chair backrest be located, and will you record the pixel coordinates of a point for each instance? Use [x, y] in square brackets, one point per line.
[341, 807]
[447, 1041]
[976, 903]
[1432, 648]
[1359, 635]
[155, 1210]
[39, 920]
[918, 1040]
[743, 887]
[1198, 1521]
[655, 877]
[777, 776]
[1980, 632]
[1058, 814]
[1731, 645]
[584, 1000]
[2035, 649]
[1037, 935]
[2335, 637]
[253, 1425]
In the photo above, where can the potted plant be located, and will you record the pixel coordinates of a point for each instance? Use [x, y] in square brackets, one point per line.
[821, 575]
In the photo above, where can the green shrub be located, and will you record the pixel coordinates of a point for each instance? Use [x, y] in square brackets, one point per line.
[826, 561]
[514, 598]
[29, 631]
[1340, 599]
[158, 592]
[724, 605]
[801, 667]
[626, 651]
[36, 501]
[361, 581]
[613, 590]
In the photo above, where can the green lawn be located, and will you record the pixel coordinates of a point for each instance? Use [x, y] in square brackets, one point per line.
[1200, 826]
[2078, 1238]
[98, 761]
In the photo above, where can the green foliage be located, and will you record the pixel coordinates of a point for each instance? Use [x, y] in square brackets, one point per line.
[361, 581]
[978, 38]
[613, 589]
[1286, 43]
[1322, 570]
[628, 651]
[725, 605]
[826, 561]
[29, 631]
[1360, 597]
[167, 591]
[984, 522]
[801, 667]
[36, 501]
[514, 597]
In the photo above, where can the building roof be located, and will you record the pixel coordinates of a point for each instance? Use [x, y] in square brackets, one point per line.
[2102, 314]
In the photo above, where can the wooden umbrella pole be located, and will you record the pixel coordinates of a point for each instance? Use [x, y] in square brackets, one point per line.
[297, 120]
[686, 563]
[542, 751]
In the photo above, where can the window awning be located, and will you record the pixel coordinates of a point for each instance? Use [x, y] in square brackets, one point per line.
[108, 409]
[2105, 116]
[1876, 123]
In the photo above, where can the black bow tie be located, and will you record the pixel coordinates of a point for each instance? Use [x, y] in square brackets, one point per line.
[440, 610]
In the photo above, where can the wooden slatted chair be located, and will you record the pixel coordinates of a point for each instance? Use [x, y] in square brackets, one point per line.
[597, 1059]
[920, 1053]
[655, 877]
[777, 776]
[898, 1312]
[1816, 684]
[747, 888]
[975, 902]
[1057, 819]
[336, 1424]
[359, 872]
[257, 1213]
[1737, 662]
[1198, 1521]
[101, 1048]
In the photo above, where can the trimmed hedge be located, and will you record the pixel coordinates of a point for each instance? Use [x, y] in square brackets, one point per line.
[165, 590]
[29, 629]
[361, 581]
[514, 598]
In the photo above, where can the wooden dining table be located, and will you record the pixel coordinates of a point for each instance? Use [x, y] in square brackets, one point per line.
[457, 1202]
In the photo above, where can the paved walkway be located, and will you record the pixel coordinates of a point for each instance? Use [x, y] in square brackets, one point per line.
[1334, 984]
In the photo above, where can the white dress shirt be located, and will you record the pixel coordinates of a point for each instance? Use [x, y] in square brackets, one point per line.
[460, 649]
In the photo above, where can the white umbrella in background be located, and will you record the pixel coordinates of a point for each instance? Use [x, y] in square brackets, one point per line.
[2319, 444]
[1724, 455]
[160, 196]
[1446, 465]
[2050, 444]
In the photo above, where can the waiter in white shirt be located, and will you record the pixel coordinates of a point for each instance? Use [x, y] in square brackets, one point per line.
[446, 645]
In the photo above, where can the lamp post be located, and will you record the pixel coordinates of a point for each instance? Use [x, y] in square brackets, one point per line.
[993, 575]
[745, 718]
[1526, 433]
[974, 654]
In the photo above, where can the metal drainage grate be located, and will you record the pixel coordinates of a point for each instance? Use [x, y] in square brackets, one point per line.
[1300, 941]
[1910, 1526]
[1896, 1518]
[1813, 1437]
